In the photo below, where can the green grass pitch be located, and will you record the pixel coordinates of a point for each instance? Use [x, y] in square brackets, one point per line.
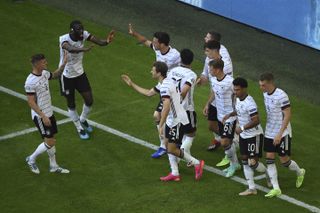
[110, 174]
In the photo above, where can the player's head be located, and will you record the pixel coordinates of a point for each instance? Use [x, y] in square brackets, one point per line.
[159, 69]
[76, 29]
[186, 56]
[39, 61]
[240, 86]
[160, 39]
[212, 36]
[211, 49]
[266, 82]
[216, 67]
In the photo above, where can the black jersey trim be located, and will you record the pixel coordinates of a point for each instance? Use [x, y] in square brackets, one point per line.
[285, 107]
[222, 78]
[272, 91]
[166, 52]
[36, 74]
[156, 89]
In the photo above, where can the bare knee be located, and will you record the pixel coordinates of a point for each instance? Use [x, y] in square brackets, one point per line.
[156, 116]
[50, 141]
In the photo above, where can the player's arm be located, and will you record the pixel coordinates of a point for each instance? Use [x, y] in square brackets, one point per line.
[66, 46]
[164, 113]
[102, 42]
[206, 107]
[143, 91]
[234, 113]
[33, 105]
[285, 122]
[139, 37]
[57, 73]
[202, 80]
[185, 89]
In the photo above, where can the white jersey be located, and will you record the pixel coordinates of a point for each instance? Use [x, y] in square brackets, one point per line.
[177, 113]
[227, 68]
[39, 86]
[171, 58]
[74, 67]
[246, 109]
[223, 92]
[185, 76]
[275, 103]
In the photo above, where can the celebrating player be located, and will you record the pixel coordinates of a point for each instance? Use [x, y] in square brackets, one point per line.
[74, 77]
[250, 131]
[39, 100]
[165, 53]
[222, 93]
[187, 79]
[278, 132]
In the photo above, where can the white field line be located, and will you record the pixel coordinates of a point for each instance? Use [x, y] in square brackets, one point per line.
[29, 130]
[154, 147]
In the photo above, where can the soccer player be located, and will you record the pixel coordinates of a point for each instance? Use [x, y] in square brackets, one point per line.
[222, 93]
[212, 49]
[167, 54]
[74, 77]
[250, 131]
[39, 100]
[187, 79]
[204, 78]
[278, 132]
[173, 118]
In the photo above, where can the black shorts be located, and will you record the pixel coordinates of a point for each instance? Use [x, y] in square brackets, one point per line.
[191, 127]
[160, 106]
[174, 134]
[251, 147]
[69, 85]
[46, 131]
[212, 113]
[283, 148]
[227, 129]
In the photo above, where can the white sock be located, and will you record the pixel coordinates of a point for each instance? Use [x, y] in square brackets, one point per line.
[40, 149]
[187, 143]
[187, 157]
[75, 118]
[248, 173]
[85, 112]
[216, 137]
[273, 174]
[52, 156]
[162, 144]
[295, 167]
[232, 155]
[173, 164]
[261, 167]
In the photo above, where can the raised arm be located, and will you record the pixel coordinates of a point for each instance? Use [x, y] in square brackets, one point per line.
[66, 46]
[139, 37]
[57, 73]
[103, 42]
[143, 91]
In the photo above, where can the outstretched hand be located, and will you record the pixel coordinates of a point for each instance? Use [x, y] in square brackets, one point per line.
[130, 29]
[111, 36]
[126, 79]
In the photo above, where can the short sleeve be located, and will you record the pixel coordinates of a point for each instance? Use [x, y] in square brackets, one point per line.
[284, 101]
[63, 39]
[29, 88]
[165, 91]
[205, 71]
[252, 108]
[86, 35]
[47, 74]
[157, 88]
[191, 80]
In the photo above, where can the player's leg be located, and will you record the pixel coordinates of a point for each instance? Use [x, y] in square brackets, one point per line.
[213, 127]
[284, 154]
[83, 87]
[67, 86]
[173, 161]
[247, 170]
[227, 132]
[31, 160]
[271, 150]
[189, 131]
[162, 148]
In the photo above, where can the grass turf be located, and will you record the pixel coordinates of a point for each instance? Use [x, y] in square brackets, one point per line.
[110, 174]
